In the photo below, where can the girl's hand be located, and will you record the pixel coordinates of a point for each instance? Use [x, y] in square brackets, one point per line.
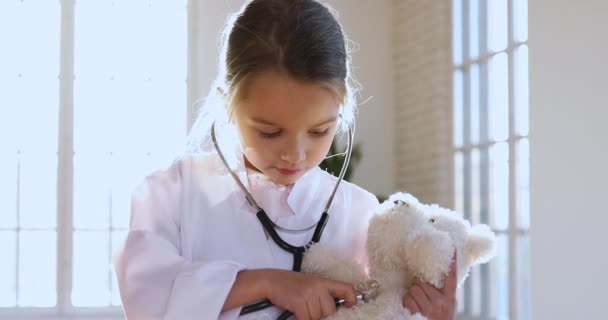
[306, 296]
[433, 303]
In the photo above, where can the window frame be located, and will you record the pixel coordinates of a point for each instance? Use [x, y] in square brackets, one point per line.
[513, 232]
[64, 308]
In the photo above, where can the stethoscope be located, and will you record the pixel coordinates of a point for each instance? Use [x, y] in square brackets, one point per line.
[271, 227]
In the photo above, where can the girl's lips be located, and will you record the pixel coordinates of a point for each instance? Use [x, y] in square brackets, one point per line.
[288, 171]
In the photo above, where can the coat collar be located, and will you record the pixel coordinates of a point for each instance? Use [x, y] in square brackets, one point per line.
[301, 199]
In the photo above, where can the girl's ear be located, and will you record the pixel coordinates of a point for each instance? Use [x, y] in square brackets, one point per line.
[481, 245]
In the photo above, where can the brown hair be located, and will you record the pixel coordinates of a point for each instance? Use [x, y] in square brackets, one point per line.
[300, 38]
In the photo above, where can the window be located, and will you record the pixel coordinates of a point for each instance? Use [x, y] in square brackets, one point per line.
[490, 57]
[93, 98]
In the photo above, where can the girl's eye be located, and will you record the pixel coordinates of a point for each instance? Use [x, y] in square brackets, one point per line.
[269, 134]
[320, 133]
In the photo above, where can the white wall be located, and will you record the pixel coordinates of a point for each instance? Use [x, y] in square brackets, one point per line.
[365, 22]
[569, 158]
[368, 23]
[422, 72]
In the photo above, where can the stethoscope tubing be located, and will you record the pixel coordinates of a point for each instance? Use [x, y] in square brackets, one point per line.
[270, 226]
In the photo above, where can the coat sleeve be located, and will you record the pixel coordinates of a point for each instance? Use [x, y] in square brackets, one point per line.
[154, 280]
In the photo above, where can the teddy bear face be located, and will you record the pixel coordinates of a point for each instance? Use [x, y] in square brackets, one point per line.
[420, 240]
[475, 244]
[390, 230]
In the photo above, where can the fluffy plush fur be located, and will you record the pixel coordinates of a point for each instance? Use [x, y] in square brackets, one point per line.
[406, 239]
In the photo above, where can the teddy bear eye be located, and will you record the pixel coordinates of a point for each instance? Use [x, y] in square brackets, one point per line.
[432, 220]
[400, 203]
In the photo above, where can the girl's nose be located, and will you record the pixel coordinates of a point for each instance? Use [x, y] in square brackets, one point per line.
[294, 153]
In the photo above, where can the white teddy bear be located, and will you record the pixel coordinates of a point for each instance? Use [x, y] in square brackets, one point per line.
[406, 239]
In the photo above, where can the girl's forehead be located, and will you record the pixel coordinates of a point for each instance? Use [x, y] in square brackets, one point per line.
[280, 99]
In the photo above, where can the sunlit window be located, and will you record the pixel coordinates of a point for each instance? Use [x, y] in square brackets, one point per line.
[29, 104]
[103, 85]
[491, 149]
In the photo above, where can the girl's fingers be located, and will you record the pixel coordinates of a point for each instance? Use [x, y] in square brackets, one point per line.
[430, 290]
[314, 309]
[450, 282]
[432, 302]
[301, 312]
[328, 305]
[410, 304]
[344, 291]
[421, 299]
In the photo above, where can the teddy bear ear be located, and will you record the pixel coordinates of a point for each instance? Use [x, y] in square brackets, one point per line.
[481, 244]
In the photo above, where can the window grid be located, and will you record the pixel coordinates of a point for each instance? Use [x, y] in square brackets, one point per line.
[63, 227]
[28, 154]
[483, 304]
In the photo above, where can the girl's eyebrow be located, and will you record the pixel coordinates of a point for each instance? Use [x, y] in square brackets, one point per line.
[266, 122]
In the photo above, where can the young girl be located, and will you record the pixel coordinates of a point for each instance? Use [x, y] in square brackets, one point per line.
[196, 248]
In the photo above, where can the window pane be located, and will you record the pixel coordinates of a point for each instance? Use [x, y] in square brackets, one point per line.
[458, 111]
[497, 25]
[474, 98]
[457, 31]
[523, 278]
[521, 103]
[29, 64]
[520, 17]
[29, 112]
[152, 47]
[499, 185]
[29, 108]
[127, 172]
[91, 191]
[8, 268]
[498, 97]
[499, 268]
[91, 280]
[34, 50]
[459, 207]
[473, 29]
[474, 282]
[460, 299]
[129, 117]
[121, 203]
[118, 238]
[475, 214]
[144, 104]
[522, 165]
[29, 61]
[458, 182]
[32, 121]
[37, 269]
[38, 190]
[8, 190]
[143, 81]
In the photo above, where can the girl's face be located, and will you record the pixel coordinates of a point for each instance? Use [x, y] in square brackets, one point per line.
[286, 126]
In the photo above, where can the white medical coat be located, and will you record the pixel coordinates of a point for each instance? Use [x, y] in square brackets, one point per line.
[192, 231]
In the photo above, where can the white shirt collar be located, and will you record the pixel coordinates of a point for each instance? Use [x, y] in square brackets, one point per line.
[302, 195]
